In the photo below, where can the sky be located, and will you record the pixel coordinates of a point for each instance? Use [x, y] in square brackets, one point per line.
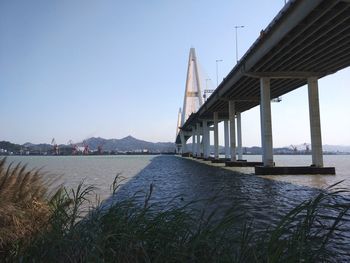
[73, 69]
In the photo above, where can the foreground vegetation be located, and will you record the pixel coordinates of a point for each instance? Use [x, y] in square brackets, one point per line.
[42, 225]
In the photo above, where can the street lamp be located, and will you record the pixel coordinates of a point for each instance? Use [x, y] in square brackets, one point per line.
[236, 27]
[206, 89]
[217, 71]
[206, 83]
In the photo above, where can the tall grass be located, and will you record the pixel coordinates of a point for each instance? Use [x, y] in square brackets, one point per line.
[23, 205]
[128, 231]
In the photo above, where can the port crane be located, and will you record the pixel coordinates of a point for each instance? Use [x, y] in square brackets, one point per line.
[74, 147]
[86, 148]
[55, 148]
[294, 148]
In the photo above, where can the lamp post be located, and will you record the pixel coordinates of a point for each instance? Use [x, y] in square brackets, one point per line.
[206, 83]
[236, 29]
[217, 71]
[206, 89]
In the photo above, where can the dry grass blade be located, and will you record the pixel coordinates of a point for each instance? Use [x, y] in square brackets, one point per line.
[23, 205]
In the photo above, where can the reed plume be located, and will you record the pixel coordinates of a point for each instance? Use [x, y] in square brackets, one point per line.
[23, 206]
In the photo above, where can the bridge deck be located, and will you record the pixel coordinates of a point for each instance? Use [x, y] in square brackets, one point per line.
[307, 38]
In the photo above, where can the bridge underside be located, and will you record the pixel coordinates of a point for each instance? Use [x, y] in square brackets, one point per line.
[307, 39]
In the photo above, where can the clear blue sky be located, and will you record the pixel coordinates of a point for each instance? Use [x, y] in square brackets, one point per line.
[74, 69]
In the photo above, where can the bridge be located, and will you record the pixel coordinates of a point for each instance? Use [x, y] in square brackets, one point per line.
[307, 40]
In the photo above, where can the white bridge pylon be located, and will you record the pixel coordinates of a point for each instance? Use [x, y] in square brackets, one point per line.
[197, 84]
[193, 99]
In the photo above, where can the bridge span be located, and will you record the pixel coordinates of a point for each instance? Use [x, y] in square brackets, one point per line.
[307, 40]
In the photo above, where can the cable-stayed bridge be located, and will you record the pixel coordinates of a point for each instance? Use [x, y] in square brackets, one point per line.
[307, 40]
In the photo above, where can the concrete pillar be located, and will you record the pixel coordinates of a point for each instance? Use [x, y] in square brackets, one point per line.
[231, 110]
[239, 136]
[183, 142]
[206, 139]
[266, 123]
[202, 147]
[227, 142]
[216, 135]
[193, 141]
[315, 123]
[198, 150]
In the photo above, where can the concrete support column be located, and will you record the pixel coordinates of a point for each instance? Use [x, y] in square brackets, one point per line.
[202, 147]
[206, 140]
[216, 135]
[177, 149]
[266, 123]
[183, 143]
[193, 140]
[315, 123]
[198, 150]
[239, 136]
[227, 142]
[231, 110]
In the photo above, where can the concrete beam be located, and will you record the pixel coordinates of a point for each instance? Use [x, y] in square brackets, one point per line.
[183, 142]
[232, 129]
[193, 140]
[315, 123]
[187, 133]
[216, 135]
[293, 170]
[227, 142]
[239, 136]
[285, 74]
[198, 144]
[266, 122]
[206, 140]
[301, 10]
[243, 98]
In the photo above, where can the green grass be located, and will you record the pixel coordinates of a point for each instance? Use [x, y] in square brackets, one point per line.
[130, 232]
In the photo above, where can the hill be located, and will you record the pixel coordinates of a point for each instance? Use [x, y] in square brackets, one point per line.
[132, 144]
[9, 147]
[128, 143]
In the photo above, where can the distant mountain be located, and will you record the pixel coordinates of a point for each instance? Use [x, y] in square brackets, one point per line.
[8, 146]
[128, 143]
